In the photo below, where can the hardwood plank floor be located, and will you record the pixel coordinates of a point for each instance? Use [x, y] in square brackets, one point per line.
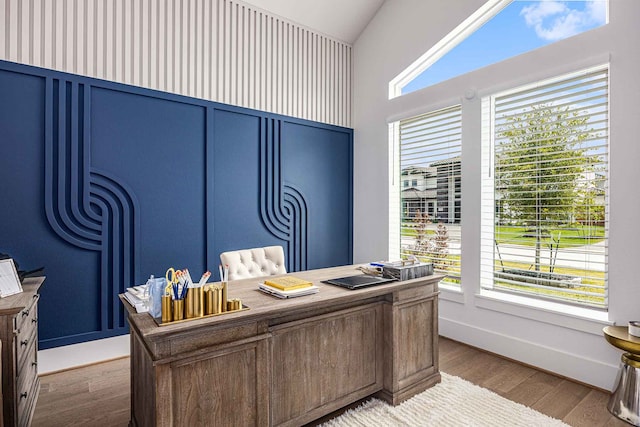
[98, 395]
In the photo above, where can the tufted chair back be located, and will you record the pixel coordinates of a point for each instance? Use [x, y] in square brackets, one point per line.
[258, 262]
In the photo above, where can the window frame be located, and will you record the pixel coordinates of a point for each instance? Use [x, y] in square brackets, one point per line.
[488, 216]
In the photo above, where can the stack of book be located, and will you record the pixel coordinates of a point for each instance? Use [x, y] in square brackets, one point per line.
[288, 287]
[138, 297]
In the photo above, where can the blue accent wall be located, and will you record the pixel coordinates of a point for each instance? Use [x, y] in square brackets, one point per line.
[105, 184]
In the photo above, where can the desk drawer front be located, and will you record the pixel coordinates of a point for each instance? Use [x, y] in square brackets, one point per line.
[324, 362]
[224, 388]
[415, 333]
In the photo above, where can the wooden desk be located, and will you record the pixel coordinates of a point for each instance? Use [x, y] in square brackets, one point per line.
[286, 362]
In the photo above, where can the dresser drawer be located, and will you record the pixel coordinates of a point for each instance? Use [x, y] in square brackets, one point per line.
[19, 330]
[27, 359]
[27, 319]
[26, 333]
[27, 370]
[27, 396]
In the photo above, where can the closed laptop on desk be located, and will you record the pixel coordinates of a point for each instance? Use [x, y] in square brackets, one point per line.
[358, 281]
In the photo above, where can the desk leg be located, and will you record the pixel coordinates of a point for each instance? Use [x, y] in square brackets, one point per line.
[410, 359]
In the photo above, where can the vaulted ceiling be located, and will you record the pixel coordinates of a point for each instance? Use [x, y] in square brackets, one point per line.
[340, 19]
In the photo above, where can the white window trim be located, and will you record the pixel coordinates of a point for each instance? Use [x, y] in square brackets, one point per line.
[451, 293]
[487, 11]
[487, 219]
[572, 317]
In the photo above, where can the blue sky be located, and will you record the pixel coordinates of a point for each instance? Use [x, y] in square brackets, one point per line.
[522, 26]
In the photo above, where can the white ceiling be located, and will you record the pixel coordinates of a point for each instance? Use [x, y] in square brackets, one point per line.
[340, 19]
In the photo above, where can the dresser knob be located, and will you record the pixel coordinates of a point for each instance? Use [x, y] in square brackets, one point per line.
[23, 395]
[34, 320]
[25, 342]
[34, 363]
[25, 313]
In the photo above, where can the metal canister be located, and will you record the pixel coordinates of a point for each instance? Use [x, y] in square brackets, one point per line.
[217, 300]
[178, 309]
[190, 303]
[209, 305]
[224, 296]
[166, 309]
[198, 301]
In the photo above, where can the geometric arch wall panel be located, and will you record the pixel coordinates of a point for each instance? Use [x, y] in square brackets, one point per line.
[105, 184]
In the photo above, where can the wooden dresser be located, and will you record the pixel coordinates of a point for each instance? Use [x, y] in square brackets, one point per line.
[286, 362]
[19, 336]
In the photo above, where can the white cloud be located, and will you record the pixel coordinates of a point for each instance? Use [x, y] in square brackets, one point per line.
[555, 20]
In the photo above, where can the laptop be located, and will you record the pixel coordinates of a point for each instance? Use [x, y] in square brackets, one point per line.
[359, 281]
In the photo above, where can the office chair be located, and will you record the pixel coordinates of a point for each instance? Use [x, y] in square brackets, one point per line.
[257, 262]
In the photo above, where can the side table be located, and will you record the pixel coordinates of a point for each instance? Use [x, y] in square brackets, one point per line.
[624, 402]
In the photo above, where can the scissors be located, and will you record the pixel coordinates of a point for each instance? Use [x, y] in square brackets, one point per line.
[172, 280]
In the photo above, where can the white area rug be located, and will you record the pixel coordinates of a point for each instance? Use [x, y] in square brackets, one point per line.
[453, 402]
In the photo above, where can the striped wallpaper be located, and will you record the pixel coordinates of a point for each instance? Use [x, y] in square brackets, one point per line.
[221, 50]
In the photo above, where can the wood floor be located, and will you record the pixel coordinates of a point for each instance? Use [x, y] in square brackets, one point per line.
[98, 395]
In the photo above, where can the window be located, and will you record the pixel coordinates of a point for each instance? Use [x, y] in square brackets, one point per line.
[545, 189]
[430, 147]
[414, 182]
[498, 30]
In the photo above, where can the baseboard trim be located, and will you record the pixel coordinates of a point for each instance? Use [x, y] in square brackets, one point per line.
[573, 366]
[67, 357]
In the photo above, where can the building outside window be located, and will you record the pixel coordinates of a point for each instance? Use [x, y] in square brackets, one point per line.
[430, 147]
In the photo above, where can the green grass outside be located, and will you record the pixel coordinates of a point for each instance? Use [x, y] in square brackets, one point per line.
[569, 236]
[409, 231]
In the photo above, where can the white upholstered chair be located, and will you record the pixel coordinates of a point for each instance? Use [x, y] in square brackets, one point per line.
[257, 262]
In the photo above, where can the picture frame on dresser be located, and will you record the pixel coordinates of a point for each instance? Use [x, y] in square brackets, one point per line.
[9, 278]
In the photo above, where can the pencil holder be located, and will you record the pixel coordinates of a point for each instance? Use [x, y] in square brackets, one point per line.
[208, 298]
[224, 296]
[190, 304]
[217, 300]
[234, 305]
[178, 309]
[166, 308]
[198, 301]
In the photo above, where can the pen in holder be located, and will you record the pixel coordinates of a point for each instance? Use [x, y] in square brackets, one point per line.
[166, 308]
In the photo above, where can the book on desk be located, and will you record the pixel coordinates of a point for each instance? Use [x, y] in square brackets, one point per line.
[288, 287]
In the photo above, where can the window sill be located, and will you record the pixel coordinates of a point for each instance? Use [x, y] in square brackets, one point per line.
[568, 316]
[451, 293]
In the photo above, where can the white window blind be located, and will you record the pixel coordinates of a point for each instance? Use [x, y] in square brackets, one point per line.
[430, 148]
[545, 189]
